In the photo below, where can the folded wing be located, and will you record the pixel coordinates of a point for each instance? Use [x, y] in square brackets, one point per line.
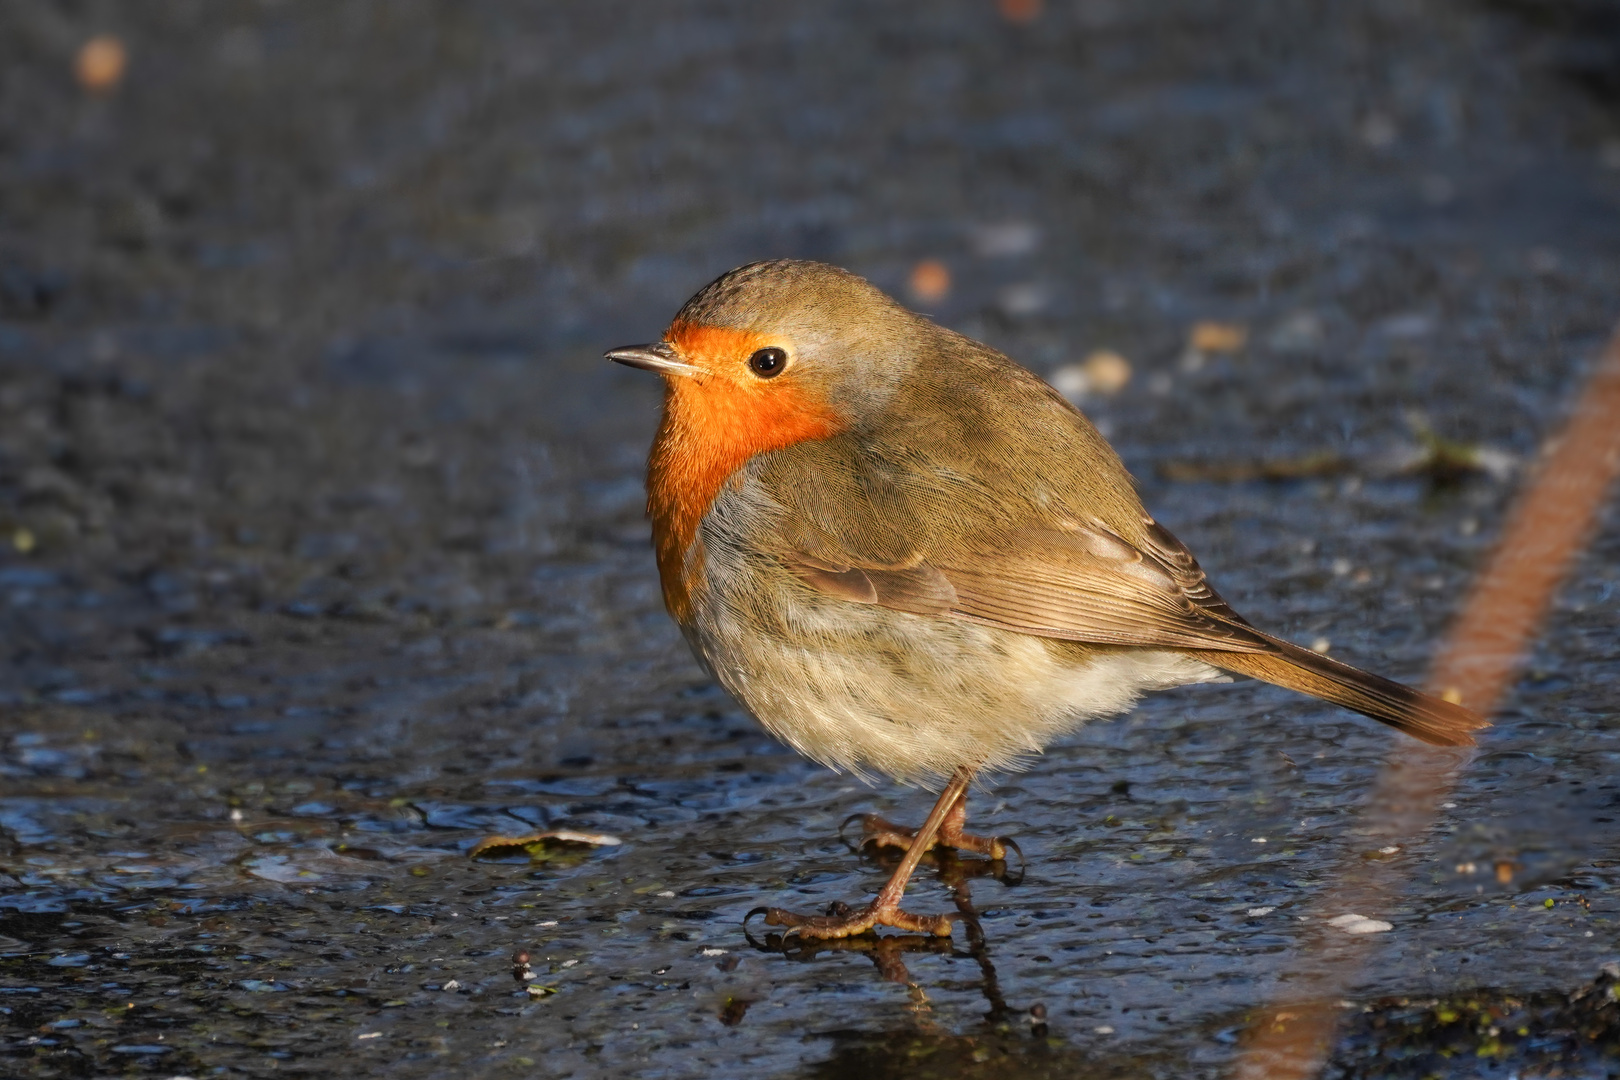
[1086, 583]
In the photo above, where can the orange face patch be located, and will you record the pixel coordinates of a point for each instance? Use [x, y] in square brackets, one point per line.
[719, 349]
[712, 425]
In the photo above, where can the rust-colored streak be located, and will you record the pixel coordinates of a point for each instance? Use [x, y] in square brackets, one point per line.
[1548, 529]
[712, 425]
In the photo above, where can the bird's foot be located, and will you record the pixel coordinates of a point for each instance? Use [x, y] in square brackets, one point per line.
[880, 832]
[842, 921]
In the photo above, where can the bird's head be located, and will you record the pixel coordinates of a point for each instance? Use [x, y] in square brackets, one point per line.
[775, 352]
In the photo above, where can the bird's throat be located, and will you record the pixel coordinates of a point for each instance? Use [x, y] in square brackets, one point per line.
[710, 429]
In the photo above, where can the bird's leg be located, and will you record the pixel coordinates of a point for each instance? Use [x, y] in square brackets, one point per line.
[880, 832]
[884, 910]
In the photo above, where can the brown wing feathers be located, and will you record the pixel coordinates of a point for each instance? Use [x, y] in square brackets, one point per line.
[1085, 583]
[921, 590]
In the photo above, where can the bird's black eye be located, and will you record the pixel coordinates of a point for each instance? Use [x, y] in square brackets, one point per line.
[767, 363]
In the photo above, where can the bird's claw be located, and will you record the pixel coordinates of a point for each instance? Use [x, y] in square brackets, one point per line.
[842, 921]
[1009, 844]
[880, 832]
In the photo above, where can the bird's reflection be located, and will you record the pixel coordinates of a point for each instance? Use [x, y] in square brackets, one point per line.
[888, 951]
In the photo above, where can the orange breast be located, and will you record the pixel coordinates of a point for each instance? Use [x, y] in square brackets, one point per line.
[711, 427]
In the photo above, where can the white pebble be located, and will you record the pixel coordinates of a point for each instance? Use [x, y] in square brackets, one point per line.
[667, 894]
[1256, 912]
[1369, 926]
[1103, 1030]
[715, 952]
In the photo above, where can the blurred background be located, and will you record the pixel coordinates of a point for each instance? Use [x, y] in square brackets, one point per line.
[322, 553]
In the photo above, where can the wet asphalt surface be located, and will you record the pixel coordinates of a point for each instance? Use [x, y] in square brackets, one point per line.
[324, 557]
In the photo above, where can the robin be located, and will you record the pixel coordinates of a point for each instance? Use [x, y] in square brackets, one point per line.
[905, 554]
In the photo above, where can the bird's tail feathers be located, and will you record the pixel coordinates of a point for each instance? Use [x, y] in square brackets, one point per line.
[1423, 716]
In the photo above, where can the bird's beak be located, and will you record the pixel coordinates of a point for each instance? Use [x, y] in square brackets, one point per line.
[659, 356]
